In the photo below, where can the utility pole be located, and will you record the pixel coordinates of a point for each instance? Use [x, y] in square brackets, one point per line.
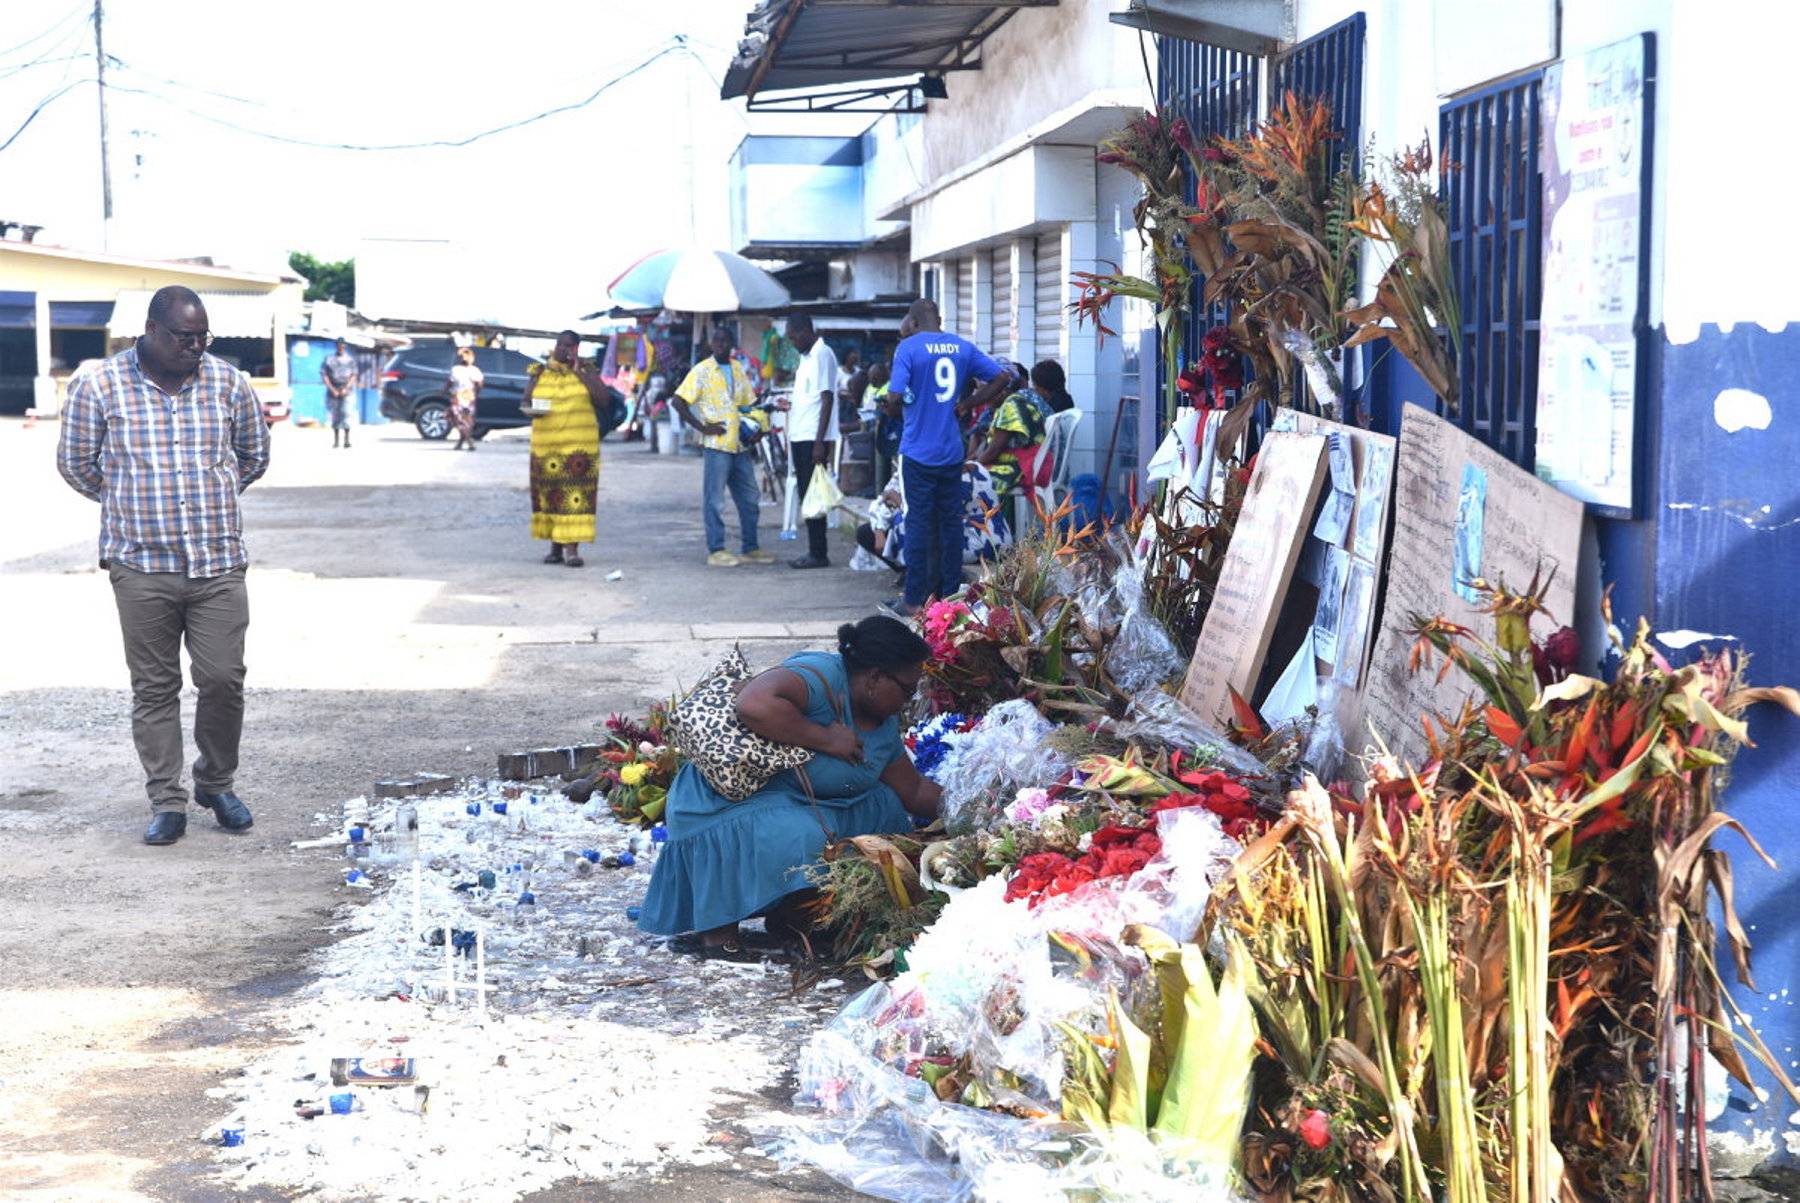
[106, 208]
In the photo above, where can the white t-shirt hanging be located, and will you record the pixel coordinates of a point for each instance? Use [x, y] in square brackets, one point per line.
[817, 373]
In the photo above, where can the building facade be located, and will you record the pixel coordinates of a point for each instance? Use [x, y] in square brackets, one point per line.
[59, 307]
[1610, 342]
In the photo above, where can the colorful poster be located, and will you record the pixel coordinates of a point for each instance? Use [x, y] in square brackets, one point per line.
[1471, 513]
[1596, 123]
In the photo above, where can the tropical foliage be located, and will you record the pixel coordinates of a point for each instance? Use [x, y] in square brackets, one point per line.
[1274, 223]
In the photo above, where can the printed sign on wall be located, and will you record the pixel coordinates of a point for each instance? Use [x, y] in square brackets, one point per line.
[1596, 131]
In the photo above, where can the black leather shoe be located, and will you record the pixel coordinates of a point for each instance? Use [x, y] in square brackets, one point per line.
[232, 814]
[166, 827]
[809, 561]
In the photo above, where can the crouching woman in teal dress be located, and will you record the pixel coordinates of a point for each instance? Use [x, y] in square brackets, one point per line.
[728, 861]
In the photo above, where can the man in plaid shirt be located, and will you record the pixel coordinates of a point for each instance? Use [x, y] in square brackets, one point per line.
[165, 437]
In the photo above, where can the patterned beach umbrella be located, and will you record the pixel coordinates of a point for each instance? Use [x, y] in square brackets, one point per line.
[697, 281]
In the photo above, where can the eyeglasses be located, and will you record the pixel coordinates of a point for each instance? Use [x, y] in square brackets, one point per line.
[202, 339]
[911, 689]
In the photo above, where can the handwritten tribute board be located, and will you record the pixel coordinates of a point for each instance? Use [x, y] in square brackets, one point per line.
[1458, 505]
[1259, 564]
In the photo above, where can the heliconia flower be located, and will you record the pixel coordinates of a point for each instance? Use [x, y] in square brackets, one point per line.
[1315, 1129]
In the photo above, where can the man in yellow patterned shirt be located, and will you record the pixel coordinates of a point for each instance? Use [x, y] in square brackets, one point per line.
[717, 400]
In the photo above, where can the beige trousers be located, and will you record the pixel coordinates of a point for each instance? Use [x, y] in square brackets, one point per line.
[158, 611]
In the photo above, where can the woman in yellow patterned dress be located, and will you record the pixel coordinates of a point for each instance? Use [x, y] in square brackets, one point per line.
[565, 450]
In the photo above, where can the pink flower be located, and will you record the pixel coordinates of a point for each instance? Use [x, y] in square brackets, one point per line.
[1029, 804]
[1315, 1129]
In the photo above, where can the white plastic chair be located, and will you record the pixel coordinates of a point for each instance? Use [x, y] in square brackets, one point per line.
[1059, 438]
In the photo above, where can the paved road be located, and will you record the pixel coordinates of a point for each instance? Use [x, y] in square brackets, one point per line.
[401, 621]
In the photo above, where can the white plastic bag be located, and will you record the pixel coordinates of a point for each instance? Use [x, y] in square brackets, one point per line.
[822, 495]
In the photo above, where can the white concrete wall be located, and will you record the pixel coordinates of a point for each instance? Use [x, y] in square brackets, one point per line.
[1010, 157]
[1034, 67]
[1038, 184]
[871, 273]
[893, 165]
[1721, 73]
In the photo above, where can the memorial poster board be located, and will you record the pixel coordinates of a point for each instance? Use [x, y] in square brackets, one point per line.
[1596, 123]
[1460, 509]
[1354, 523]
[1259, 564]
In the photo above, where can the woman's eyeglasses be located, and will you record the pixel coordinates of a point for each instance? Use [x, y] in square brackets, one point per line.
[909, 689]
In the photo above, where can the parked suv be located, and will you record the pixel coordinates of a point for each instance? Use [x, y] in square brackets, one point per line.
[414, 384]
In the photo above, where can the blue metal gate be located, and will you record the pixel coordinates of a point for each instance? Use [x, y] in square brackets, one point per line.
[1489, 145]
[1219, 92]
[1329, 66]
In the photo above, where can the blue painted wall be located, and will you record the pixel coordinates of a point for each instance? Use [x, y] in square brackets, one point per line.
[305, 354]
[1716, 549]
[1726, 515]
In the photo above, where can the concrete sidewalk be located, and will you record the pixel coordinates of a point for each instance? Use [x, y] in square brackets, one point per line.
[401, 621]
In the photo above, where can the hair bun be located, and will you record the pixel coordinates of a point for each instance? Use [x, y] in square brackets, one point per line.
[846, 636]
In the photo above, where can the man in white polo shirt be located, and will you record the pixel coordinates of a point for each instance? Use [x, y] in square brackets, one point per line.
[812, 424]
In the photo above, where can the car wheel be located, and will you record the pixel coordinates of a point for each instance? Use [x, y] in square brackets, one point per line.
[433, 420]
[481, 432]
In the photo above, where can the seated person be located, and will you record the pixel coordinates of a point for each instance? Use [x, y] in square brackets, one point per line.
[985, 529]
[1014, 438]
[1051, 386]
[730, 861]
[977, 417]
[880, 536]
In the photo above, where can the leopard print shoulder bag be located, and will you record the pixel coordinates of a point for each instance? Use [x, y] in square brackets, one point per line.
[735, 760]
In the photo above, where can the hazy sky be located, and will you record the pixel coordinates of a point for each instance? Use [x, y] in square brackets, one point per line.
[543, 215]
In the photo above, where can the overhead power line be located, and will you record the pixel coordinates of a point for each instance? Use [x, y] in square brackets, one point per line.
[78, 11]
[44, 62]
[675, 46]
[43, 104]
[121, 64]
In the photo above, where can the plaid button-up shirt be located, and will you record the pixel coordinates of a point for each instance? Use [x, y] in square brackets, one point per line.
[166, 470]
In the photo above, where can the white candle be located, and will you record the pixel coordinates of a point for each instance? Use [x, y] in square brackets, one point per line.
[418, 920]
[480, 973]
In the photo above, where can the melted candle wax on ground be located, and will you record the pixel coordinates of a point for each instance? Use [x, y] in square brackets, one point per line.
[578, 1068]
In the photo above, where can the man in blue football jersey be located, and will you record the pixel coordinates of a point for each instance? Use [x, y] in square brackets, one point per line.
[930, 371]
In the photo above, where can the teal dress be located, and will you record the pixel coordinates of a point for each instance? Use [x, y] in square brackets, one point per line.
[727, 861]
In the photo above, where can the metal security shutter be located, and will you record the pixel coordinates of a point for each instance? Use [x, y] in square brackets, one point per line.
[965, 298]
[1003, 339]
[1051, 288]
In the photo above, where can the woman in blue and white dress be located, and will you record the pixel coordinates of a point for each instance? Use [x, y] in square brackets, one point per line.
[728, 861]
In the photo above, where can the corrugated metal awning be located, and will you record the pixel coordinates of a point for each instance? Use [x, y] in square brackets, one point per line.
[228, 314]
[80, 314]
[795, 44]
